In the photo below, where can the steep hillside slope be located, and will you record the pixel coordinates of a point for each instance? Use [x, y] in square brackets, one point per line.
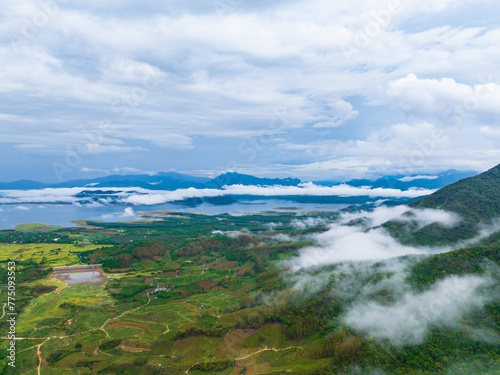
[475, 199]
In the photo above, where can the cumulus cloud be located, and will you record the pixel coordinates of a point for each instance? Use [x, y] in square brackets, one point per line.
[408, 321]
[129, 212]
[444, 99]
[157, 102]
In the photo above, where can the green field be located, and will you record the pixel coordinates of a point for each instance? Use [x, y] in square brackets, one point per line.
[48, 254]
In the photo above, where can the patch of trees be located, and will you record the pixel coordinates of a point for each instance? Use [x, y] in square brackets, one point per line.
[123, 256]
[130, 290]
[40, 288]
[57, 355]
[459, 262]
[301, 318]
[72, 306]
[218, 244]
[110, 344]
[214, 366]
[435, 234]
[129, 369]
[10, 236]
[26, 271]
[148, 250]
[343, 349]
[442, 347]
[242, 255]
[88, 364]
[271, 281]
[217, 331]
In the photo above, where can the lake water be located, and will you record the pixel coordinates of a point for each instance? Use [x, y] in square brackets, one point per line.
[64, 214]
[93, 277]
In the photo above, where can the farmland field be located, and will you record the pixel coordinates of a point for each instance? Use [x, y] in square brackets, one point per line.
[48, 254]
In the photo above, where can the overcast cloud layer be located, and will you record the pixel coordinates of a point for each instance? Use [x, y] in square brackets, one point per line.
[313, 89]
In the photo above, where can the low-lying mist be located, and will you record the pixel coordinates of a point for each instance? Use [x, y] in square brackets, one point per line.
[357, 261]
[357, 237]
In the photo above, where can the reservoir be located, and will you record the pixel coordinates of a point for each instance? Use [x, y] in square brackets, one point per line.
[79, 277]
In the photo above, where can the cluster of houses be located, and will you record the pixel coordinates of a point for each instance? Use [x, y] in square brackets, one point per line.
[166, 289]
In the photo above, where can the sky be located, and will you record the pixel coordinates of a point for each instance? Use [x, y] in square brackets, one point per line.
[314, 89]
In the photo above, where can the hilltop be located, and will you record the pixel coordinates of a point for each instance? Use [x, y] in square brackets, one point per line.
[475, 199]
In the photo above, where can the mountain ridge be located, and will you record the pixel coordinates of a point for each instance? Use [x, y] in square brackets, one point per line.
[174, 180]
[475, 199]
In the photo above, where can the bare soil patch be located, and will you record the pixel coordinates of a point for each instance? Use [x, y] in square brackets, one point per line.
[224, 265]
[207, 284]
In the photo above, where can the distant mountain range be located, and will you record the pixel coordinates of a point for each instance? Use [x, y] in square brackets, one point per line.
[173, 181]
[421, 181]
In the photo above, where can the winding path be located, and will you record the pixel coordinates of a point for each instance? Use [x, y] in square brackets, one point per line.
[3, 310]
[266, 349]
[39, 346]
[39, 353]
[252, 354]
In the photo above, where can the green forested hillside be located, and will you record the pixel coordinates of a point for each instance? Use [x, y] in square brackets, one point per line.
[475, 199]
[472, 260]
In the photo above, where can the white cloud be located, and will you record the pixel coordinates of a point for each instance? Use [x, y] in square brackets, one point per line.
[205, 81]
[408, 321]
[308, 222]
[429, 216]
[400, 149]
[140, 196]
[270, 191]
[445, 99]
[419, 177]
[347, 243]
[22, 208]
[129, 212]
[281, 237]
[353, 243]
